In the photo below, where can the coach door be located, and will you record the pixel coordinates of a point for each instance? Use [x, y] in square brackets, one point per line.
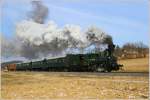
[81, 60]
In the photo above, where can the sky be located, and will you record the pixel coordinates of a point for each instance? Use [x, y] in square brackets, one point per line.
[125, 20]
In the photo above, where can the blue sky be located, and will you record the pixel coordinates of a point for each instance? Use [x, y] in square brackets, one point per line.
[125, 20]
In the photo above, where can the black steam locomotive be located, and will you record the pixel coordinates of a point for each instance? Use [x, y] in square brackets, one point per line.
[93, 62]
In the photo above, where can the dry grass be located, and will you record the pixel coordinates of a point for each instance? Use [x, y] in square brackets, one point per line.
[44, 85]
[135, 65]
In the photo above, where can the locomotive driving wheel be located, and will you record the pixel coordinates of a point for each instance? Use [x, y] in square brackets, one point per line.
[100, 69]
[109, 70]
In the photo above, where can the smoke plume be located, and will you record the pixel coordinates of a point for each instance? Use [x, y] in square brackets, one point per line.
[35, 39]
[39, 12]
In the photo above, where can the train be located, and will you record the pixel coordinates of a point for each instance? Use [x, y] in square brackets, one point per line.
[103, 61]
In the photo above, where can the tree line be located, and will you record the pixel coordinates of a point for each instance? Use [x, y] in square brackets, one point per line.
[131, 50]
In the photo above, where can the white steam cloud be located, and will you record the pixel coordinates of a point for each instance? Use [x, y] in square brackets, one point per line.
[47, 39]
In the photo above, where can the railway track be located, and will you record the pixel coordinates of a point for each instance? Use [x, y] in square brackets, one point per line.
[97, 74]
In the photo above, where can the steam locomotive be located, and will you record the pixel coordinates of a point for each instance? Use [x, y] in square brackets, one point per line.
[92, 62]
